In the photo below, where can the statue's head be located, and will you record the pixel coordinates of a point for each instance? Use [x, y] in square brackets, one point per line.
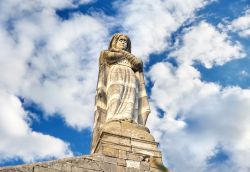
[120, 41]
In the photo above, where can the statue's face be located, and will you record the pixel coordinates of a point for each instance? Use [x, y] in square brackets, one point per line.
[122, 43]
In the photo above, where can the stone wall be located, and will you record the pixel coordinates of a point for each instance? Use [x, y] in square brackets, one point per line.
[91, 163]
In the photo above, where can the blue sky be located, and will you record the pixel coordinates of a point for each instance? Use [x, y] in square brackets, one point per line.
[196, 57]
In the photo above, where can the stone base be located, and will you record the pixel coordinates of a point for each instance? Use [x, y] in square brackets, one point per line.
[129, 141]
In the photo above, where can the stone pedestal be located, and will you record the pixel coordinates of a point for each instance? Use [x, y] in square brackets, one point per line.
[131, 142]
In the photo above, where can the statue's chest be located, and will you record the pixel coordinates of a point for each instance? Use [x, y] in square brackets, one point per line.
[124, 62]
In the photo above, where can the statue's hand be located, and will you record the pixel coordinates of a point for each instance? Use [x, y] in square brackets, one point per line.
[119, 55]
[137, 64]
[112, 57]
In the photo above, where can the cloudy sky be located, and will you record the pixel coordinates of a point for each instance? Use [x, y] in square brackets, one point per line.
[197, 66]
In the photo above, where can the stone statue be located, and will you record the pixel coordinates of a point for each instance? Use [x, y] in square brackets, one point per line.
[120, 93]
[120, 140]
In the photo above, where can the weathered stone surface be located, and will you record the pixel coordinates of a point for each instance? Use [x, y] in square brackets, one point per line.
[130, 142]
[91, 163]
[120, 169]
[133, 164]
[145, 166]
[123, 139]
[121, 162]
[66, 166]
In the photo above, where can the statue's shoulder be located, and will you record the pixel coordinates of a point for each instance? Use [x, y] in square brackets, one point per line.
[102, 57]
[104, 53]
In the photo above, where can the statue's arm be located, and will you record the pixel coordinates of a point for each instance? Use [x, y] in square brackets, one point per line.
[112, 57]
[136, 62]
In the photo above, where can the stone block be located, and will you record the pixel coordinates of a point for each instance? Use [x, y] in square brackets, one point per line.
[142, 151]
[128, 169]
[97, 157]
[144, 144]
[144, 166]
[115, 146]
[86, 163]
[113, 167]
[120, 169]
[154, 153]
[122, 154]
[121, 140]
[105, 167]
[133, 156]
[66, 166]
[121, 162]
[43, 169]
[133, 164]
[108, 167]
[127, 129]
[57, 166]
[110, 160]
[106, 150]
[76, 169]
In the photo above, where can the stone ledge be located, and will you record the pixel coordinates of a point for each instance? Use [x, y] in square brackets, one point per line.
[91, 163]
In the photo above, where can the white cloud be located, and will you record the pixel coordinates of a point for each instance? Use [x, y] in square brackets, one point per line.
[12, 62]
[55, 62]
[51, 62]
[64, 71]
[241, 24]
[150, 23]
[199, 117]
[17, 138]
[205, 44]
